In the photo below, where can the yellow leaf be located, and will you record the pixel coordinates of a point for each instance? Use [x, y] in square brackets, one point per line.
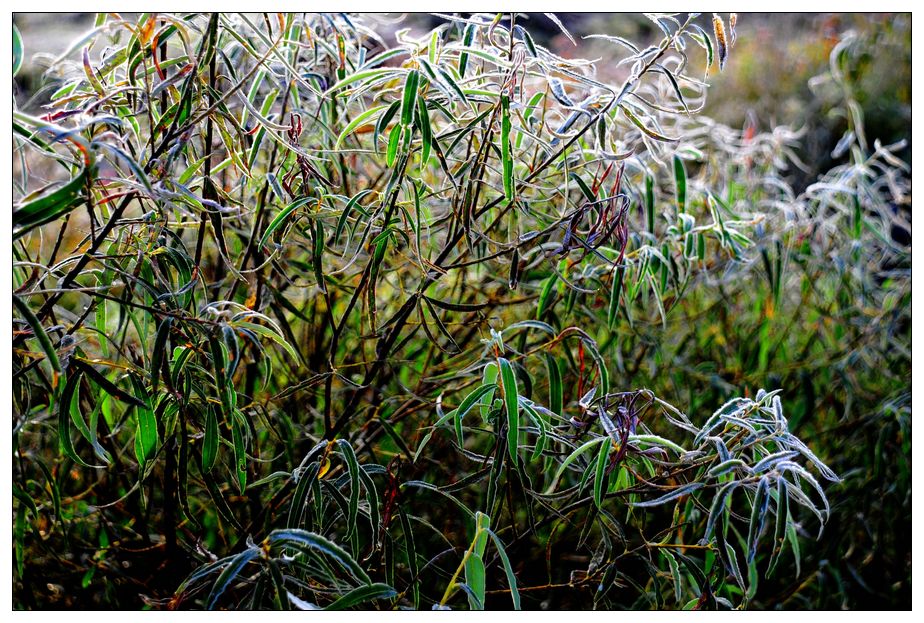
[324, 469]
[144, 35]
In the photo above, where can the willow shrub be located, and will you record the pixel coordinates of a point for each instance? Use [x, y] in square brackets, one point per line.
[319, 322]
[823, 309]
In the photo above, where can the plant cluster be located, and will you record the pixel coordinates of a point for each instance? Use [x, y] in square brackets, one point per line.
[318, 321]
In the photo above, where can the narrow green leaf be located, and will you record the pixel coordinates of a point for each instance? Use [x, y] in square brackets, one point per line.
[146, 433]
[528, 40]
[680, 184]
[411, 551]
[703, 39]
[753, 579]
[39, 332]
[393, 138]
[615, 293]
[48, 206]
[409, 100]
[582, 185]
[426, 134]
[508, 570]
[363, 594]
[136, 168]
[718, 508]
[793, 538]
[229, 573]
[758, 516]
[479, 396]
[108, 386]
[505, 148]
[352, 204]
[545, 296]
[383, 122]
[489, 377]
[360, 75]
[645, 129]
[511, 400]
[556, 402]
[782, 517]
[64, 419]
[671, 495]
[317, 259]
[240, 450]
[675, 573]
[358, 121]
[346, 451]
[281, 218]
[210, 441]
[306, 478]
[88, 431]
[571, 458]
[25, 499]
[309, 542]
[475, 579]
[467, 37]
[269, 333]
[453, 85]
[655, 440]
[675, 85]
[280, 594]
[602, 461]
[157, 353]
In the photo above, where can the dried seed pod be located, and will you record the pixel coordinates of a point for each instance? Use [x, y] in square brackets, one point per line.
[514, 270]
[718, 27]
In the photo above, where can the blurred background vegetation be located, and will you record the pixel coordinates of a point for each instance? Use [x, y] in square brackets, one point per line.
[854, 410]
[839, 342]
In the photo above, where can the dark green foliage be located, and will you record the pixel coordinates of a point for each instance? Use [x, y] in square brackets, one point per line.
[316, 321]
